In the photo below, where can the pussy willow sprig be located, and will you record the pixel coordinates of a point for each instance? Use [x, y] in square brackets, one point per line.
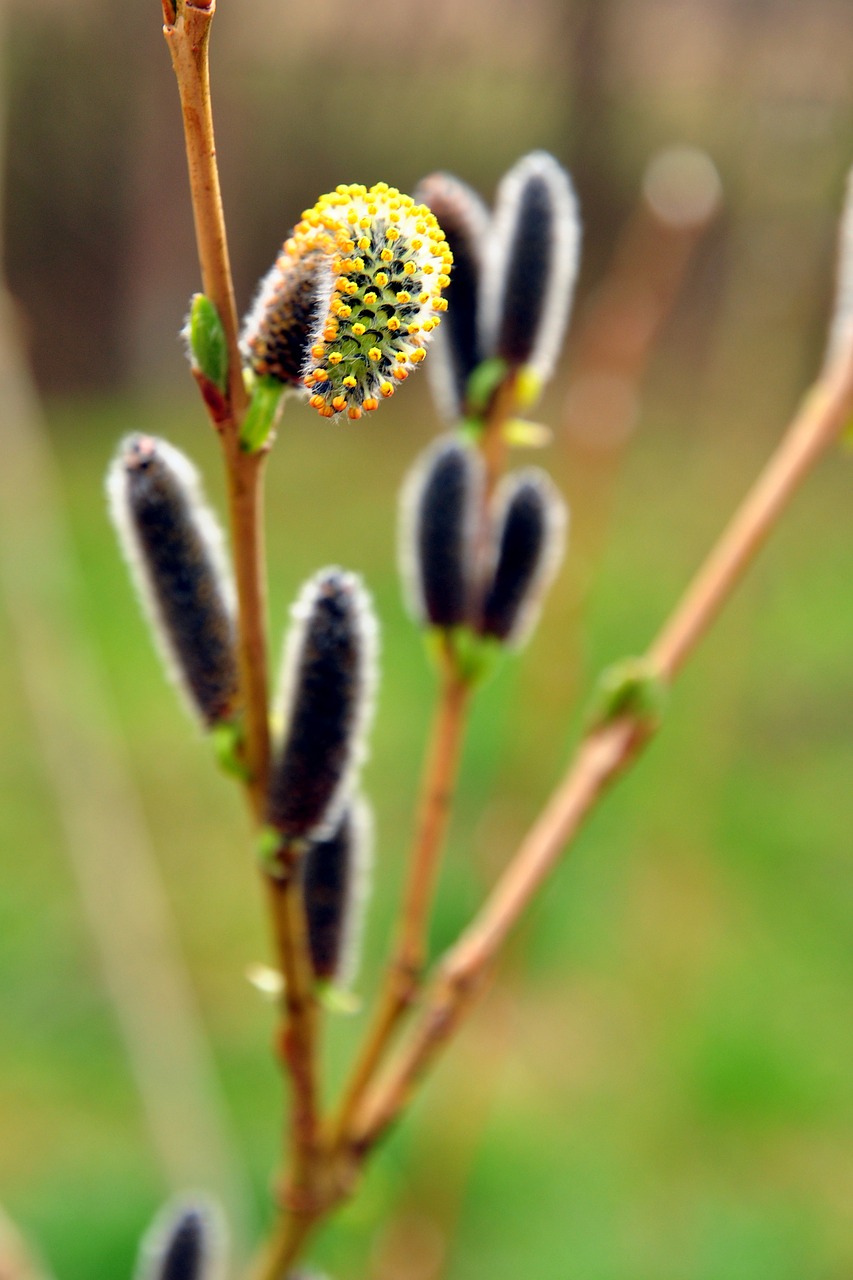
[358, 290]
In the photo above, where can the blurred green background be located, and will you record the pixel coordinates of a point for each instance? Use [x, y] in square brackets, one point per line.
[658, 1086]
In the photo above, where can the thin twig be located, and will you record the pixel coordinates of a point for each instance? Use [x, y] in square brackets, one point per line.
[607, 751]
[187, 33]
[188, 38]
[404, 972]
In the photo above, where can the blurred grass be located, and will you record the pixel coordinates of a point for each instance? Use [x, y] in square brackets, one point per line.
[659, 1086]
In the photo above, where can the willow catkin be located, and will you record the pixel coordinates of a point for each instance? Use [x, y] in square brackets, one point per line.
[335, 887]
[174, 547]
[457, 351]
[328, 683]
[378, 263]
[528, 540]
[531, 265]
[439, 509]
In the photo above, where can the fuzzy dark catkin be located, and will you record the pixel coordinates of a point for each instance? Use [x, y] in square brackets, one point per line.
[186, 1241]
[464, 219]
[328, 683]
[174, 547]
[439, 508]
[528, 540]
[277, 331]
[335, 886]
[530, 265]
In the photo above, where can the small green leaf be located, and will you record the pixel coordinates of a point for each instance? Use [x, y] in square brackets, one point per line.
[483, 383]
[227, 739]
[207, 341]
[474, 657]
[269, 850]
[263, 410]
[338, 999]
[628, 688]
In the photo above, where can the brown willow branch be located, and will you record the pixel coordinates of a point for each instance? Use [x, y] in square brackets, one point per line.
[188, 38]
[610, 749]
[187, 33]
[298, 1043]
[404, 972]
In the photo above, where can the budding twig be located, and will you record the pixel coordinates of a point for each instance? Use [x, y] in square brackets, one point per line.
[187, 33]
[404, 972]
[609, 750]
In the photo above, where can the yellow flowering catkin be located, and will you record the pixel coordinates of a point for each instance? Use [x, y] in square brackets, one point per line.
[379, 263]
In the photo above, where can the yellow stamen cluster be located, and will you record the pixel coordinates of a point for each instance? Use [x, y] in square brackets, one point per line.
[388, 263]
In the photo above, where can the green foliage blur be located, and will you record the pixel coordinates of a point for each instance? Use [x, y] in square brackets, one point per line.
[658, 1085]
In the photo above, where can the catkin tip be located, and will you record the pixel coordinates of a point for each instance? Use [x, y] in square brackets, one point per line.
[186, 1241]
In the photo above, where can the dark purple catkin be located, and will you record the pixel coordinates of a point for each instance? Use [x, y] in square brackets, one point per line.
[528, 539]
[185, 1242]
[531, 265]
[335, 885]
[174, 548]
[464, 219]
[439, 508]
[277, 330]
[328, 681]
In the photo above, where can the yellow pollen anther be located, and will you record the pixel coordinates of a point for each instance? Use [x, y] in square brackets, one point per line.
[335, 357]
[349, 381]
[392, 233]
[413, 328]
[370, 298]
[370, 404]
[393, 324]
[428, 269]
[364, 242]
[386, 389]
[400, 357]
[417, 356]
[316, 401]
[400, 373]
[423, 298]
[381, 279]
[374, 354]
[439, 304]
[417, 244]
[386, 255]
[339, 402]
[327, 411]
[404, 297]
[409, 268]
[443, 282]
[318, 351]
[359, 330]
